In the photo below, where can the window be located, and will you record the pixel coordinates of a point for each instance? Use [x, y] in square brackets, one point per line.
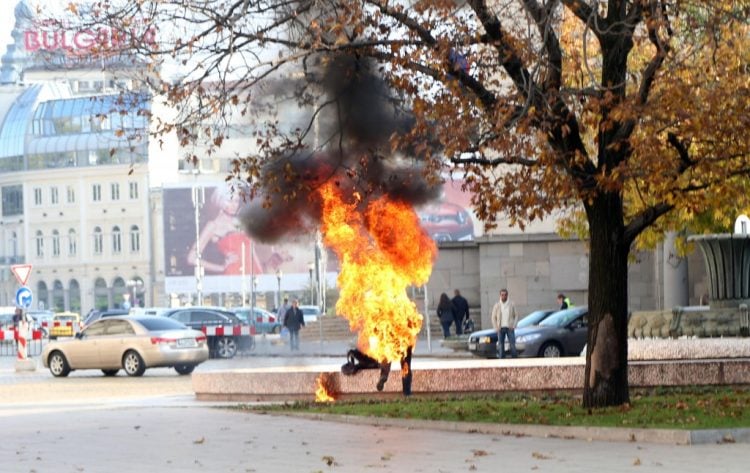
[96, 193]
[55, 243]
[12, 200]
[39, 244]
[116, 240]
[37, 196]
[98, 241]
[72, 242]
[115, 187]
[53, 196]
[13, 245]
[133, 190]
[119, 327]
[135, 239]
[71, 194]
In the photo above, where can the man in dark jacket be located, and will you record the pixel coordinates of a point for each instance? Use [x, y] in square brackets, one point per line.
[462, 310]
[294, 320]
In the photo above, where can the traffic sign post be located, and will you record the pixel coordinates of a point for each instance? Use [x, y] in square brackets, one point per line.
[24, 297]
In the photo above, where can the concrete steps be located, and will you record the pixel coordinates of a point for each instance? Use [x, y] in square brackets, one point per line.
[337, 328]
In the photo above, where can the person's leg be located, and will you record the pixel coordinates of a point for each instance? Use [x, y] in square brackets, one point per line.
[512, 340]
[501, 342]
[385, 370]
[458, 320]
[406, 373]
[293, 339]
[446, 328]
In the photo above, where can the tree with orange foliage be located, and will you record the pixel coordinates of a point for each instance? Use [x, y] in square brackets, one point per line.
[633, 111]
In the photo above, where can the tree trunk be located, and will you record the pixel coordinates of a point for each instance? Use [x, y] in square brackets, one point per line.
[606, 382]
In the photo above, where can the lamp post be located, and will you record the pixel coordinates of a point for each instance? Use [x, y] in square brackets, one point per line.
[278, 289]
[199, 198]
[311, 267]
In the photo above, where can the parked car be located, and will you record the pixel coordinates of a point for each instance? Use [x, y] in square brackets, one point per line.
[563, 333]
[64, 324]
[310, 313]
[227, 334]
[263, 320]
[484, 342]
[129, 343]
[95, 315]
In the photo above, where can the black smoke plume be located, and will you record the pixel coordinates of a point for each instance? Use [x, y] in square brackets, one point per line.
[360, 115]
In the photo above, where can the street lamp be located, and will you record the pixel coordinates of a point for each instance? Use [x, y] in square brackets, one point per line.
[278, 286]
[311, 267]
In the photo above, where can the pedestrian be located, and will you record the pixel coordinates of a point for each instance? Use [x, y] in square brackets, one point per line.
[504, 319]
[446, 313]
[462, 310]
[564, 301]
[294, 320]
[281, 312]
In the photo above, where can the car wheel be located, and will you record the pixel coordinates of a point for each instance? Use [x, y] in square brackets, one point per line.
[226, 347]
[277, 329]
[184, 369]
[133, 364]
[550, 350]
[58, 365]
[110, 372]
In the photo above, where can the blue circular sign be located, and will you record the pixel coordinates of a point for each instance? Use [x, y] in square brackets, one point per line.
[24, 297]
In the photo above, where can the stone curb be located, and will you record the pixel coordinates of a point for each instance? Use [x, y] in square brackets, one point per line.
[604, 434]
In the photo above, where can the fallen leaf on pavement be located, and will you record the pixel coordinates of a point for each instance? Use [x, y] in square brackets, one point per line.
[200, 440]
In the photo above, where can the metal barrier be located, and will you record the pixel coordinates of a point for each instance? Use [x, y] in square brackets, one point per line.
[9, 342]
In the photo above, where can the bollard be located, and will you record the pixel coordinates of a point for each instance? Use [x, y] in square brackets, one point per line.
[21, 341]
[22, 334]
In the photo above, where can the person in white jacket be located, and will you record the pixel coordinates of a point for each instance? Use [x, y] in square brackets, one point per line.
[504, 319]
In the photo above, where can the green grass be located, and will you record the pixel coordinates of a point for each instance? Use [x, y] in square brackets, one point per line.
[675, 408]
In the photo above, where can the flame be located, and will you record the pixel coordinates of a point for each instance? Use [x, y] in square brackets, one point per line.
[321, 393]
[382, 251]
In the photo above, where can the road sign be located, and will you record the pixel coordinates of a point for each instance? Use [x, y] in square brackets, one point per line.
[21, 272]
[24, 297]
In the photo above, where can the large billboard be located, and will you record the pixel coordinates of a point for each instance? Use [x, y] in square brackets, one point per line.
[220, 244]
[450, 218]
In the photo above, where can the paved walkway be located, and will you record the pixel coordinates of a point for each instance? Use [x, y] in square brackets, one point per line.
[130, 438]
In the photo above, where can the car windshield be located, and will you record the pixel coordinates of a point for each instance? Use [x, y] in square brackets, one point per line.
[533, 318]
[309, 310]
[65, 318]
[562, 318]
[159, 323]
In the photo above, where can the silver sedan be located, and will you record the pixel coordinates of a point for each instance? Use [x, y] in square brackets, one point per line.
[129, 343]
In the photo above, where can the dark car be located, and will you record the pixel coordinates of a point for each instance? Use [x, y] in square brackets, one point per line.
[484, 342]
[227, 334]
[264, 321]
[95, 315]
[563, 333]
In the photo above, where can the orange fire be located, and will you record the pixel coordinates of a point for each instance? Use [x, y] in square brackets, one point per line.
[321, 393]
[382, 251]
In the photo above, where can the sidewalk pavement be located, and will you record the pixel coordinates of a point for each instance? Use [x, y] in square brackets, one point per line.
[205, 439]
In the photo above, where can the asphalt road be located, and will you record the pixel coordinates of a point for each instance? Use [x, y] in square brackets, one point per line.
[91, 423]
